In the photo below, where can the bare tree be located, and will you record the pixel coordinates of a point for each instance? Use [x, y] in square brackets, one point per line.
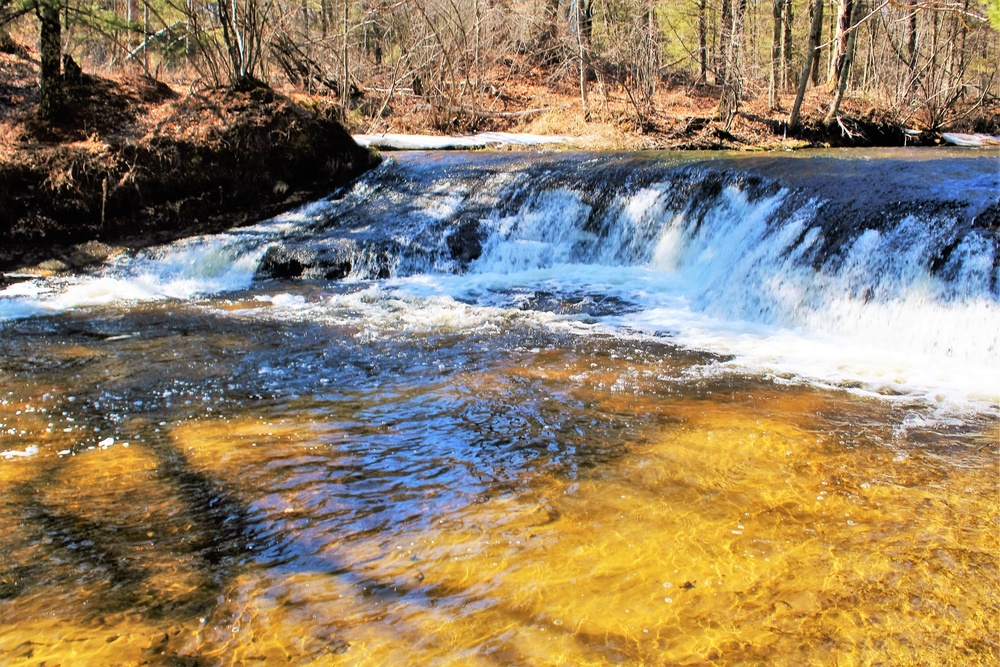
[846, 59]
[52, 96]
[547, 37]
[244, 23]
[786, 43]
[725, 28]
[811, 54]
[843, 23]
[774, 81]
[703, 40]
[345, 88]
[732, 78]
[584, 38]
[929, 61]
[631, 56]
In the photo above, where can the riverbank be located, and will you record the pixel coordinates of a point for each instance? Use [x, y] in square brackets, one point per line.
[136, 163]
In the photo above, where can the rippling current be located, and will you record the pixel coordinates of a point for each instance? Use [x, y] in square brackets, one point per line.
[512, 409]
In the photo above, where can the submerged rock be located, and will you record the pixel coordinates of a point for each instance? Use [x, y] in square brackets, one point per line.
[332, 262]
[466, 242]
[283, 263]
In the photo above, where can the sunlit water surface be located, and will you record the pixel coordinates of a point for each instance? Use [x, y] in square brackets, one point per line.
[214, 483]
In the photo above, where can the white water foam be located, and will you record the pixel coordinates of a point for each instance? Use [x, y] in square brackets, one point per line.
[408, 307]
[736, 285]
[733, 278]
[663, 304]
[197, 266]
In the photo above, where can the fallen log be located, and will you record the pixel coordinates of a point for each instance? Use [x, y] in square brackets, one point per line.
[971, 140]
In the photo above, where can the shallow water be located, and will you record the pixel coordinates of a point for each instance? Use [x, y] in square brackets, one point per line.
[297, 494]
[550, 464]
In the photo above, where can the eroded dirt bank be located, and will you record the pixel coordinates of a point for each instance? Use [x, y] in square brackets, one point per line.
[135, 163]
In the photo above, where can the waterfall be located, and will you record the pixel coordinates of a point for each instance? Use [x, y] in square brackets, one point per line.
[878, 273]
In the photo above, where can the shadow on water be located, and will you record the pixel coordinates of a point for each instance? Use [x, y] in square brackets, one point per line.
[98, 536]
[162, 538]
[110, 557]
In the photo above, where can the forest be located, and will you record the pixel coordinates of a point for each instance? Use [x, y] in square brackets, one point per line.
[459, 65]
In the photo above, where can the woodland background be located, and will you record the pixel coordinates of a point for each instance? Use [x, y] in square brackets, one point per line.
[460, 65]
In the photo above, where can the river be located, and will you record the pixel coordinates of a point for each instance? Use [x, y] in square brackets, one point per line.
[523, 409]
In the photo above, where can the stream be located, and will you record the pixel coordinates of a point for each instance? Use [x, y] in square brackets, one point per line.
[521, 408]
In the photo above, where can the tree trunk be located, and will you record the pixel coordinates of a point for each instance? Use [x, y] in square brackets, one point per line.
[814, 36]
[649, 66]
[233, 40]
[345, 83]
[477, 55]
[911, 41]
[584, 26]
[732, 84]
[188, 27]
[145, 37]
[965, 34]
[131, 18]
[844, 71]
[786, 44]
[545, 41]
[550, 25]
[845, 11]
[52, 96]
[703, 38]
[817, 29]
[725, 31]
[586, 17]
[773, 83]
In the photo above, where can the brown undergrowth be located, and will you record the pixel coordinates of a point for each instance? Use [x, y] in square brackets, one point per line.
[133, 162]
[682, 115]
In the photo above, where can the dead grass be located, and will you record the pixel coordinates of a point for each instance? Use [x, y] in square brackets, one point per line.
[683, 118]
[136, 162]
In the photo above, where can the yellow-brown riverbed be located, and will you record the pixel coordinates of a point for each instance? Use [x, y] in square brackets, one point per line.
[178, 490]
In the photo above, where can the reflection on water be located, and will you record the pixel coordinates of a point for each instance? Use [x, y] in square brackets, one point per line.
[307, 494]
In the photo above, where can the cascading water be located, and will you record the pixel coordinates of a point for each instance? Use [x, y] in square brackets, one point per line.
[901, 297]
